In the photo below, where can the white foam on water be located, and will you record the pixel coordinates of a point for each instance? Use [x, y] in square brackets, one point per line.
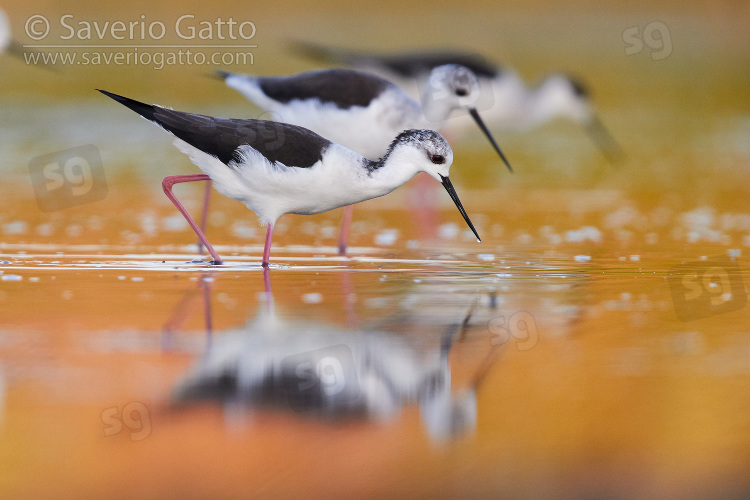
[386, 237]
[312, 298]
[16, 227]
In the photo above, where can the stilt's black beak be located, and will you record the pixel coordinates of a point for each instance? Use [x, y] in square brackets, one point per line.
[474, 114]
[601, 136]
[449, 187]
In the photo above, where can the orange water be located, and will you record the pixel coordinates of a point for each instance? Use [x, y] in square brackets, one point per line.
[563, 320]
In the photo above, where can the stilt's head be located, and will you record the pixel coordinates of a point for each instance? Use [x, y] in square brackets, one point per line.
[449, 416]
[427, 151]
[567, 97]
[563, 96]
[451, 87]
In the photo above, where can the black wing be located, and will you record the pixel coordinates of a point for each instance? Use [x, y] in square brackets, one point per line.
[416, 63]
[343, 87]
[221, 137]
[405, 64]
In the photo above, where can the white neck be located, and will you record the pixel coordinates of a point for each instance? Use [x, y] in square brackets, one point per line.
[369, 179]
[435, 110]
[549, 101]
[391, 171]
[542, 105]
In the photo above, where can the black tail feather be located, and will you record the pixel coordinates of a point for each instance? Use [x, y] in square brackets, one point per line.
[321, 53]
[222, 75]
[145, 110]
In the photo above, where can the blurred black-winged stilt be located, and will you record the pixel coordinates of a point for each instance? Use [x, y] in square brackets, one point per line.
[510, 104]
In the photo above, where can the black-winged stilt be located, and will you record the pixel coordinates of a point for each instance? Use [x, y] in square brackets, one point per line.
[359, 110]
[276, 168]
[509, 103]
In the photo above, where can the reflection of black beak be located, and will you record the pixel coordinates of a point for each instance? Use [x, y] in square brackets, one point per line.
[449, 187]
[474, 114]
[601, 136]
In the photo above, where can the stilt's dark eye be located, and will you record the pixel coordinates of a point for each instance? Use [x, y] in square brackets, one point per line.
[437, 159]
[461, 92]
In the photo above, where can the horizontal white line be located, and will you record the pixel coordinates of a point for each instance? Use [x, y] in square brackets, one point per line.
[227, 267]
[140, 46]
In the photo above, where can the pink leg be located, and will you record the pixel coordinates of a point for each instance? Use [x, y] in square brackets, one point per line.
[346, 223]
[267, 248]
[424, 202]
[204, 212]
[167, 184]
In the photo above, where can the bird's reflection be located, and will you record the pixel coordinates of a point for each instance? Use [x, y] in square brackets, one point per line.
[2, 396]
[333, 373]
[201, 293]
